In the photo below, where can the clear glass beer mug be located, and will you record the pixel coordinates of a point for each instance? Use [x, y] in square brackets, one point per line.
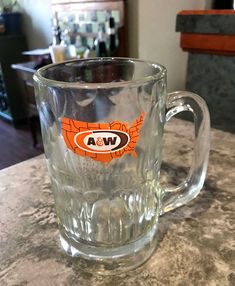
[102, 124]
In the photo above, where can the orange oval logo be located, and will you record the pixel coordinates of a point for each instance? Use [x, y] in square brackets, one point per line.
[101, 141]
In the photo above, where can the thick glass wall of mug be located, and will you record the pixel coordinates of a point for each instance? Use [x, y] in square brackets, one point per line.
[107, 205]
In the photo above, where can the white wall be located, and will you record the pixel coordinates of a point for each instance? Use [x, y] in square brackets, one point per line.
[158, 40]
[37, 22]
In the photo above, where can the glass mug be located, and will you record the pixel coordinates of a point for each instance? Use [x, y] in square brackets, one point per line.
[102, 124]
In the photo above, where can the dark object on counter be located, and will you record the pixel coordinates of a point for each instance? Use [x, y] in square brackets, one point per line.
[42, 62]
[56, 31]
[101, 50]
[222, 4]
[112, 37]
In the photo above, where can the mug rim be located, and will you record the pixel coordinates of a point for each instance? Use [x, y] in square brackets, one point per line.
[39, 78]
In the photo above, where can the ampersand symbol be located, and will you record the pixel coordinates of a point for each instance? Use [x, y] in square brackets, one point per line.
[99, 141]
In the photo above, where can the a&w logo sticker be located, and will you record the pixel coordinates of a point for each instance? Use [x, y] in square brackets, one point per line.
[101, 141]
[104, 141]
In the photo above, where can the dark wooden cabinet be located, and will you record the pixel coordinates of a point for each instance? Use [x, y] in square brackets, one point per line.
[25, 73]
[11, 48]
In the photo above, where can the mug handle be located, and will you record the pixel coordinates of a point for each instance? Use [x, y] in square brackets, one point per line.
[186, 191]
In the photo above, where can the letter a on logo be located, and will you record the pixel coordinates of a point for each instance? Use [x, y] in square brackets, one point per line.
[91, 141]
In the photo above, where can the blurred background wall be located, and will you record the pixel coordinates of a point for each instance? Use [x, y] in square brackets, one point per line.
[151, 31]
[153, 36]
[37, 22]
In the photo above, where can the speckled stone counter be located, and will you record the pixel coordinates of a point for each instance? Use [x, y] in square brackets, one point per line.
[196, 242]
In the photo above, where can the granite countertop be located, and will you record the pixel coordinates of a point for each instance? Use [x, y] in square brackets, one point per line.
[196, 242]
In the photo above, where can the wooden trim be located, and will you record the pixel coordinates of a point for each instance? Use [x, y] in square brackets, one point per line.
[211, 52]
[208, 43]
[207, 12]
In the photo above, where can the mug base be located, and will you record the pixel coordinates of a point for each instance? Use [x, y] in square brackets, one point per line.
[109, 261]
